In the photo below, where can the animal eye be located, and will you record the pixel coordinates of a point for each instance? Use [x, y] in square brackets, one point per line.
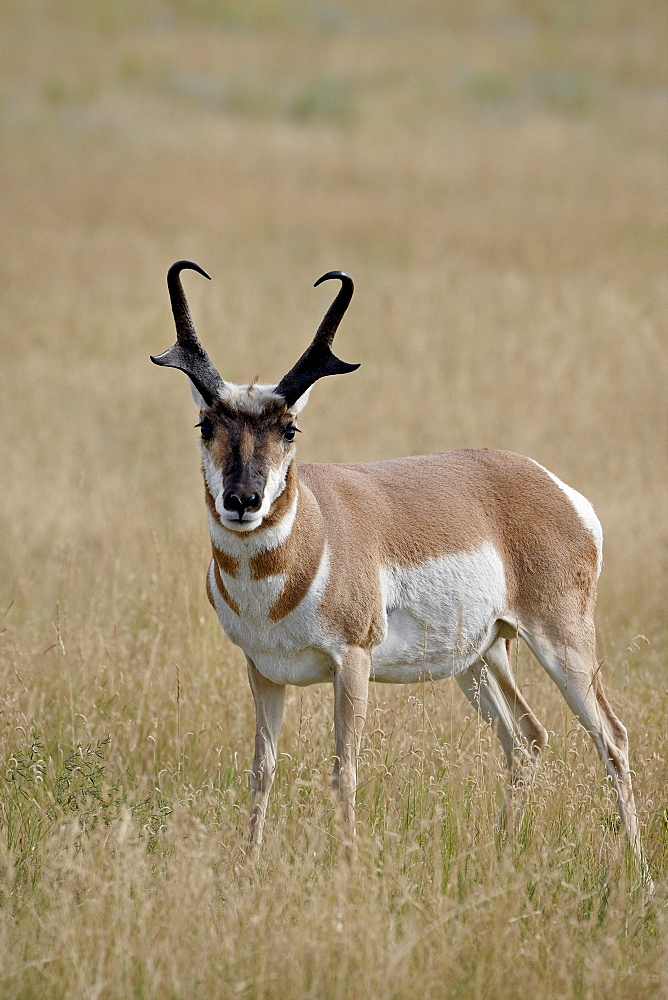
[206, 429]
[290, 434]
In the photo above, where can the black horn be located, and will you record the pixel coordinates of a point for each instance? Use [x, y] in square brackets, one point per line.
[187, 354]
[318, 359]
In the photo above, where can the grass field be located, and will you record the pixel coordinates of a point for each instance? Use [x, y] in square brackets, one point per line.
[493, 175]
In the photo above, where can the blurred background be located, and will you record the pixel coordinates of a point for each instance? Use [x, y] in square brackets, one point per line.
[493, 175]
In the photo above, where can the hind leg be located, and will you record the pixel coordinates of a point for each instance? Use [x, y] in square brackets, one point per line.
[573, 667]
[525, 761]
[490, 687]
[533, 733]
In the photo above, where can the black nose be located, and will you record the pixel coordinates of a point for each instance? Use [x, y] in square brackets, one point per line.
[238, 501]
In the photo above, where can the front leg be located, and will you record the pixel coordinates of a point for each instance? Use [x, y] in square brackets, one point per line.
[351, 693]
[269, 700]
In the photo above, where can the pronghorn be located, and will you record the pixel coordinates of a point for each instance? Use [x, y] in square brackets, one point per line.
[390, 571]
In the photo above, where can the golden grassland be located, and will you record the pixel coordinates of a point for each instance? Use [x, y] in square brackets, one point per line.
[493, 175]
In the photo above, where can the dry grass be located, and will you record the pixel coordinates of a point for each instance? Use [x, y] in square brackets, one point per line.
[493, 175]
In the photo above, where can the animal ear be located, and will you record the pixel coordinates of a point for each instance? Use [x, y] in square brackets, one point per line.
[198, 399]
[300, 403]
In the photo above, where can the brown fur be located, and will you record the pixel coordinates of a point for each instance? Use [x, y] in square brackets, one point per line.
[306, 543]
[247, 437]
[228, 564]
[224, 593]
[409, 510]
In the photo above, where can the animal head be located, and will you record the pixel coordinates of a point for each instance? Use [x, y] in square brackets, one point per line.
[248, 431]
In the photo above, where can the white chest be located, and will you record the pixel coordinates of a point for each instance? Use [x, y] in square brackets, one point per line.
[254, 598]
[293, 650]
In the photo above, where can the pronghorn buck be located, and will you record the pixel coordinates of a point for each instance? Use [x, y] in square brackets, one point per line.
[390, 571]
